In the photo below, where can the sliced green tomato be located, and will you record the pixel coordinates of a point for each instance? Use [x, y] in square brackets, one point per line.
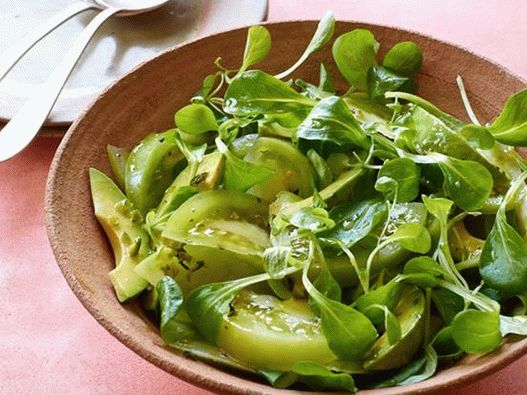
[272, 334]
[151, 167]
[123, 226]
[229, 220]
[389, 257]
[193, 266]
[292, 170]
[410, 312]
[118, 158]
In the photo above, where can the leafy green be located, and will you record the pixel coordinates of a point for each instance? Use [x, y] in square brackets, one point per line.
[348, 332]
[170, 301]
[313, 219]
[477, 136]
[510, 127]
[315, 376]
[207, 305]
[382, 80]
[413, 237]
[405, 58]
[257, 46]
[503, 261]
[322, 171]
[355, 53]
[354, 221]
[406, 175]
[240, 175]
[468, 183]
[516, 325]
[325, 83]
[332, 121]
[196, 119]
[255, 93]
[387, 295]
[476, 331]
[322, 35]
[445, 346]
[415, 372]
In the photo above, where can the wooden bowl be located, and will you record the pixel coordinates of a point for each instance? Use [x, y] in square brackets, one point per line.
[145, 100]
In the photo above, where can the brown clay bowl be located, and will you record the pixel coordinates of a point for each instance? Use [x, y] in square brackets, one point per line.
[145, 100]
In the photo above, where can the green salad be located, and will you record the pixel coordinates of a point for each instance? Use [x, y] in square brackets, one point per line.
[324, 239]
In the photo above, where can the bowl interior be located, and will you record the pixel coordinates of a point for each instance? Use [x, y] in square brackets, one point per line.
[145, 101]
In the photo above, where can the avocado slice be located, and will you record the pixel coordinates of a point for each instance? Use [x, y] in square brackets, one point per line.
[410, 312]
[122, 224]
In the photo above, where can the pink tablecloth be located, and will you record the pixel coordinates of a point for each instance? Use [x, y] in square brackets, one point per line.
[50, 344]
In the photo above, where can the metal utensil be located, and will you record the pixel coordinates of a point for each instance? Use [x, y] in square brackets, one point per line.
[24, 126]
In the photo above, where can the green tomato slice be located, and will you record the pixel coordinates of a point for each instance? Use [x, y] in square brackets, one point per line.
[271, 334]
[292, 170]
[229, 220]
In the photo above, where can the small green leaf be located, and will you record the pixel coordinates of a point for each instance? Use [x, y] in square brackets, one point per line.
[323, 173]
[477, 136]
[503, 261]
[406, 174]
[354, 221]
[313, 219]
[207, 305]
[392, 326]
[405, 57]
[510, 127]
[415, 372]
[325, 83]
[388, 295]
[355, 53]
[382, 80]
[320, 378]
[332, 121]
[447, 303]
[240, 175]
[413, 237]
[196, 119]
[476, 331]
[170, 301]
[257, 46]
[445, 346]
[322, 35]
[255, 92]
[349, 333]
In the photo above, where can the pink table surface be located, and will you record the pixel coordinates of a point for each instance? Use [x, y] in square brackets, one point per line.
[50, 344]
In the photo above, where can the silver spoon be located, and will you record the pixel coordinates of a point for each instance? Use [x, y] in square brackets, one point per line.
[24, 126]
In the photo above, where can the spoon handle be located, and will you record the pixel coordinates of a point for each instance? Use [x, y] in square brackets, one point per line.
[13, 54]
[24, 126]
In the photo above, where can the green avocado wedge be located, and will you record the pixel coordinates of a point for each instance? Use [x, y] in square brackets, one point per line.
[410, 312]
[122, 224]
